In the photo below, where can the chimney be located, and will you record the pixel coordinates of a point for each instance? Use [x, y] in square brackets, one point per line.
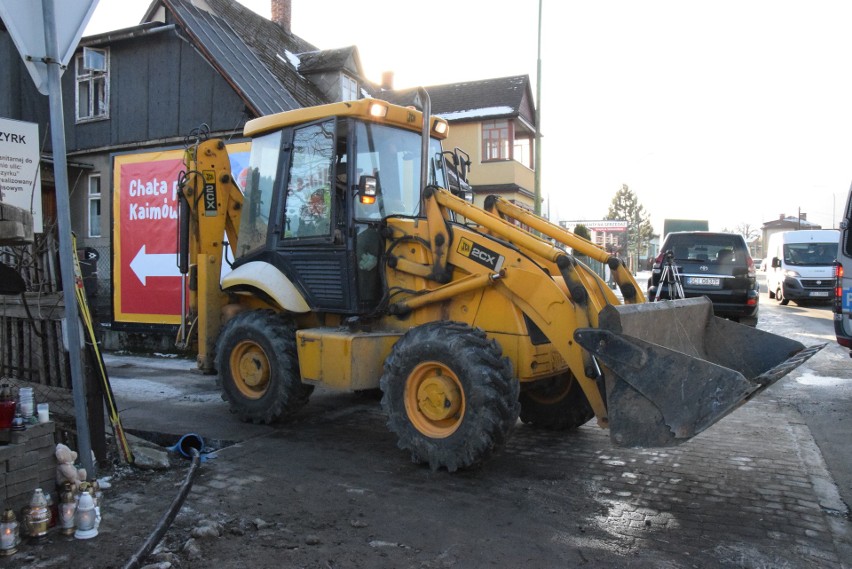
[387, 81]
[281, 11]
[782, 216]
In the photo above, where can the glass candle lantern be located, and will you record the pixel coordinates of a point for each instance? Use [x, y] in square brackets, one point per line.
[67, 509]
[9, 533]
[37, 517]
[85, 518]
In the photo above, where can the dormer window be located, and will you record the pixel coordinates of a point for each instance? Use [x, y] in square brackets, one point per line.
[348, 88]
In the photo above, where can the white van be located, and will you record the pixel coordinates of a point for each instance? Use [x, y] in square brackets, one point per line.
[800, 265]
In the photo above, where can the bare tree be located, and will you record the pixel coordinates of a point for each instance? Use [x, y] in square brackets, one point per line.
[752, 236]
[747, 230]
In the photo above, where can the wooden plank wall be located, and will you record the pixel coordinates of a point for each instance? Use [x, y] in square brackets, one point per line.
[31, 340]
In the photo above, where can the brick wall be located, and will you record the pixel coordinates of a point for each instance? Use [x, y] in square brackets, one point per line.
[27, 463]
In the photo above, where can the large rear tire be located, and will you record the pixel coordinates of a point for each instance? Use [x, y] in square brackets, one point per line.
[450, 396]
[258, 367]
[556, 404]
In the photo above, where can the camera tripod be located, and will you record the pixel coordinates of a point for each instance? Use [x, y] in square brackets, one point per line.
[670, 276]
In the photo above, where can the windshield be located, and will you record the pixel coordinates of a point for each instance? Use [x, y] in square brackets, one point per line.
[810, 253]
[392, 156]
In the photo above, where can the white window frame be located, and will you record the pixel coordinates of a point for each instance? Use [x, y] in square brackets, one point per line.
[522, 151]
[96, 107]
[497, 140]
[94, 199]
[348, 88]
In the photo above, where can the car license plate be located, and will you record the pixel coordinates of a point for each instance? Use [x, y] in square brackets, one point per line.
[702, 281]
[820, 293]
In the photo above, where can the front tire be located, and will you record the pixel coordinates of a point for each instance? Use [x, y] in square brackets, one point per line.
[779, 296]
[449, 395]
[556, 404]
[258, 367]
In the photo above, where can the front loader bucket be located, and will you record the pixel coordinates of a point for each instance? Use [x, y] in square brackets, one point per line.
[674, 368]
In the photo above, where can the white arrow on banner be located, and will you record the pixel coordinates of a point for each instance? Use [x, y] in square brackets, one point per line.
[146, 265]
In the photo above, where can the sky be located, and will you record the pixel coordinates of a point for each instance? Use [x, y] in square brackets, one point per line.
[734, 111]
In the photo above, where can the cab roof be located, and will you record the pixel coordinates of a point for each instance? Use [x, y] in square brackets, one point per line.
[365, 109]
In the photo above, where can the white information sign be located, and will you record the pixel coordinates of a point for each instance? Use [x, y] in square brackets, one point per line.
[20, 181]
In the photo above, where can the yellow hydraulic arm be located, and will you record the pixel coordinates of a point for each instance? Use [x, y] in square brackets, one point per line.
[210, 213]
[557, 310]
[624, 279]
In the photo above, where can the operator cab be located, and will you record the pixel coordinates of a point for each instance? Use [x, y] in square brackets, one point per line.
[318, 191]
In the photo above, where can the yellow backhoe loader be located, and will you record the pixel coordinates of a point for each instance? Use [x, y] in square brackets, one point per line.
[352, 267]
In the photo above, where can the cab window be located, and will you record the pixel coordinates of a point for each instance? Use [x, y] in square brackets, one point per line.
[260, 182]
[308, 202]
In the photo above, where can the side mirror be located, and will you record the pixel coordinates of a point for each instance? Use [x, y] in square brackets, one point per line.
[776, 262]
[462, 161]
[368, 189]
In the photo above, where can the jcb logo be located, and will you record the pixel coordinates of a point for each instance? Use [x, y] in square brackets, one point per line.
[480, 254]
[209, 193]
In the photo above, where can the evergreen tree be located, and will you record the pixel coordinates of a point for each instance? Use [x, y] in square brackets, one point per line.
[582, 231]
[625, 206]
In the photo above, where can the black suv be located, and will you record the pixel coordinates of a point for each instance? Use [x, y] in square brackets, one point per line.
[715, 265]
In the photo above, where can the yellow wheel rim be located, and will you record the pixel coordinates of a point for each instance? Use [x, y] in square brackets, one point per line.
[250, 369]
[434, 400]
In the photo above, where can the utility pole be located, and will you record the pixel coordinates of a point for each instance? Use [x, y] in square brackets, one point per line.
[60, 171]
[537, 171]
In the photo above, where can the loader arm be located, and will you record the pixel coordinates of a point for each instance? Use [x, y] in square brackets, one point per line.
[558, 310]
[656, 374]
[630, 290]
[211, 205]
[585, 289]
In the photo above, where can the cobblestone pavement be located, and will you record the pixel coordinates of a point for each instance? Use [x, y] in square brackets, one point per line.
[333, 491]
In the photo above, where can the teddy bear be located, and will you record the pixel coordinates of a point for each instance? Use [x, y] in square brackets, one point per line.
[65, 469]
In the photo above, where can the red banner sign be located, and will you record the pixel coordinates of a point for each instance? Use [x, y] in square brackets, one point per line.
[146, 287]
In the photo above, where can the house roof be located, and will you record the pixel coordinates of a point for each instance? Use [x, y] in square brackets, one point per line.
[791, 222]
[274, 46]
[328, 60]
[230, 55]
[214, 24]
[502, 97]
